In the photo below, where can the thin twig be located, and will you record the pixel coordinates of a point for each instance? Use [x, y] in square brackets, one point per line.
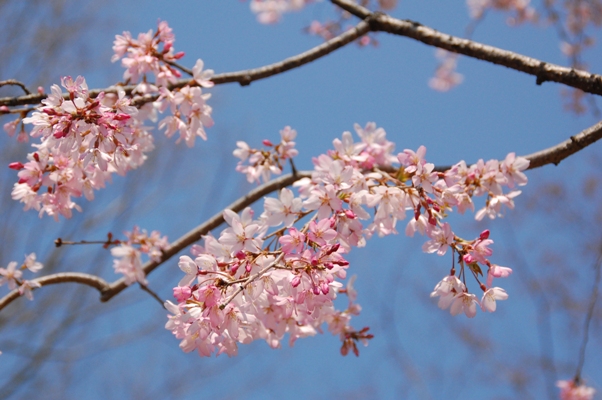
[181, 67]
[250, 280]
[15, 83]
[588, 317]
[152, 293]
[61, 277]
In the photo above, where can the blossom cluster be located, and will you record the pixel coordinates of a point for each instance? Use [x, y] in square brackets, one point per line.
[128, 253]
[250, 283]
[84, 139]
[154, 53]
[263, 163]
[12, 275]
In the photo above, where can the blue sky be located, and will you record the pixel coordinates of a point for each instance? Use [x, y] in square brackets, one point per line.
[120, 348]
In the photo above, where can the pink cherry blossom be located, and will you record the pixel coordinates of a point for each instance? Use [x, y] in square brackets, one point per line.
[479, 251]
[446, 77]
[496, 271]
[26, 287]
[203, 78]
[488, 302]
[31, 264]
[441, 239]
[512, 168]
[10, 275]
[294, 241]
[447, 289]
[570, 390]
[466, 303]
[284, 210]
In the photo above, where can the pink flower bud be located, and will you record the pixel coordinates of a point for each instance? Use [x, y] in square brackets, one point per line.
[468, 259]
[234, 267]
[267, 143]
[316, 290]
[179, 55]
[325, 288]
[240, 255]
[40, 90]
[350, 214]
[333, 249]
[484, 235]
[15, 165]
[296, 281]
[182, 293]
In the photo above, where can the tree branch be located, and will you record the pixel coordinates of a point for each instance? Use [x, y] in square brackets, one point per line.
[543, 71]
[195, 234]
[243, 77]
[15, 83]
[555, 154]
[552, 155]
[61, 277]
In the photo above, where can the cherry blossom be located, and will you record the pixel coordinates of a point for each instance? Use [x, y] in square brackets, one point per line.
[263, 163]
[441, 239]
[283, 210]
[26, 288]
[571, 390]
[270, 11]
[466, 303]
[488, 302]
[12, 275]
[128, 254]
[446, 76]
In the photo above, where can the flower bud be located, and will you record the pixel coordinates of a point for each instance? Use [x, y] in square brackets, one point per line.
[15, 165]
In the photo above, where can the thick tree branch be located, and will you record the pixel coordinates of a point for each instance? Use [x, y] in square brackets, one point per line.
[543, 71]
[552, 155]
[555, 154]
[243, 77]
